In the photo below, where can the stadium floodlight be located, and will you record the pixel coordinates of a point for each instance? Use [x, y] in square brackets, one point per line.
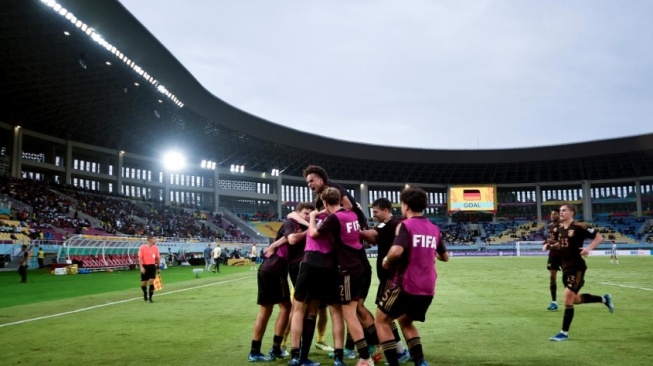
[275, 172]
[104, 43]
[173, 161]
[237, 168]
[66, 33]
[208, 164]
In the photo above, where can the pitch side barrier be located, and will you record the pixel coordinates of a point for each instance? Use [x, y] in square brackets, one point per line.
[116, 252]
[534, 249]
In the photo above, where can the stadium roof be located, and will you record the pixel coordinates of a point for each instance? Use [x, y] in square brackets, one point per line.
[69, 86]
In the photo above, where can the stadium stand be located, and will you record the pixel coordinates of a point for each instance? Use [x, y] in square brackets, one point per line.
[268, 228]
[102, 177]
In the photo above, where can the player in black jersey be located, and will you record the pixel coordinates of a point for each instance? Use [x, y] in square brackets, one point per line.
[553, 263]
[383, 235]
[272, 279]
[317, 180]
[571, 235]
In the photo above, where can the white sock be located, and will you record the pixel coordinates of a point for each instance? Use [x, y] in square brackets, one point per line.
[400, 347]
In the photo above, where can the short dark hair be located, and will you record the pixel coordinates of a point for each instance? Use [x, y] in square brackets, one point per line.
[569, 206]
[556, 209]
[303, 205]
[415, 198]
[330, 196]
[316, 169]
[383, 203]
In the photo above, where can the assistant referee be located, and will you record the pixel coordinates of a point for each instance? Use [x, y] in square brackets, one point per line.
[149, 261]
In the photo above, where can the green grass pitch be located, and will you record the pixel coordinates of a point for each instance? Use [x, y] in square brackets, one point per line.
[487, 311]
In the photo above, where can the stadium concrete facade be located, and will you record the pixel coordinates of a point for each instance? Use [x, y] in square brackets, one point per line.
[91, 97]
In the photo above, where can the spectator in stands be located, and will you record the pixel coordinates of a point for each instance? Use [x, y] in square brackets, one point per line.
[22, 266]
[149, 261]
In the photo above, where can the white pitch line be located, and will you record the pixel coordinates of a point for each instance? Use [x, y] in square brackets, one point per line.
[635, 287]
[112, 303]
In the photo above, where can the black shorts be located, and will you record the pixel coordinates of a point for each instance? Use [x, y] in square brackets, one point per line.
[367, 283]
[383, 286]
[293, 272]
[150, 272]
[395, 303]
[351, 288]
[574, 279]
[315, 283]
[272, 288]
[554, 263]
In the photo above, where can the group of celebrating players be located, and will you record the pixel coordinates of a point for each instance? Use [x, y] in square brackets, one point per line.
[320, 247]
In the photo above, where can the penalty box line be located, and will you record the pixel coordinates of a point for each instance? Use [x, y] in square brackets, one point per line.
[114, 303]
[626, 286]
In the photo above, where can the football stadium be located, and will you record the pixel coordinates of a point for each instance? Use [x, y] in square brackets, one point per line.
[106, 139]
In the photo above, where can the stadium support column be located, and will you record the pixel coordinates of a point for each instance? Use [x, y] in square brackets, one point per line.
[538, 201]
[449, 213]
[277, 193]
[365, 198]
[118, 173]
[216, 194]
[17, 153]
[69, 162]
[587, 200]
[104, 169]
[166, 188]
[638, 197]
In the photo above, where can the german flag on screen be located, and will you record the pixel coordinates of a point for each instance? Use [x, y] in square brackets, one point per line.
[472, 195]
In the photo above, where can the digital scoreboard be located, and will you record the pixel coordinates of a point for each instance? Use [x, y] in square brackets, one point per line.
[473, 198]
